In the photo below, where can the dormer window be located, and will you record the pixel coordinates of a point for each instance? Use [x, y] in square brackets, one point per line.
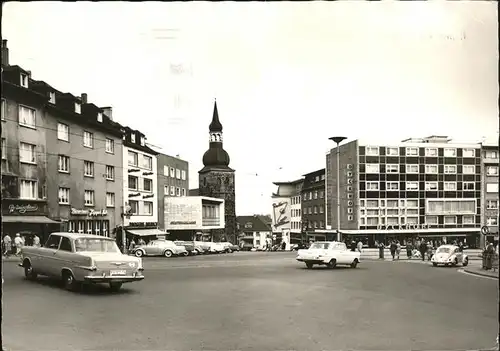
[132, 137]
[99, 117]
[78, 108]
[24, 80]
[52, 97]
[143, 141]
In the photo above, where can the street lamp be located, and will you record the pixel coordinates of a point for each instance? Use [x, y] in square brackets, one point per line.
[338, 140]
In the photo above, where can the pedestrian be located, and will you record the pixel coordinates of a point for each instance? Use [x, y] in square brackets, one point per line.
[360, 246]
[132, 245]
[430, 248]
[36, 241]
[423, 249]
[393, 249]
[409, 249]
[141, 241]
[381, 248]
[7, 242]
[353, 246]
[18, 242]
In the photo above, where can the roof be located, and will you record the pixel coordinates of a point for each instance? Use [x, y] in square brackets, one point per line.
[253, 223]
[215, 125]
[81, 235]
[289, 183]
[315, 173]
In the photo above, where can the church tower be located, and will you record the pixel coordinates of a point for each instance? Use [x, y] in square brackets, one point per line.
[216, 179]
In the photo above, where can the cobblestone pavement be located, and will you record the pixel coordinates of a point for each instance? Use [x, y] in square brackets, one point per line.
[256, 301]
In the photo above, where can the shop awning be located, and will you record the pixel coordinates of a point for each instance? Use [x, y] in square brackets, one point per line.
[28, 219]
[146, 232]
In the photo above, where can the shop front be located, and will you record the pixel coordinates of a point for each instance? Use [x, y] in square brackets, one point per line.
[87, 221]
[28, 217]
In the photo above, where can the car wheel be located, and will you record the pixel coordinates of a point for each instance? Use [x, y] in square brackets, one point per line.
[115, 286]
[332, 264]
[465, 262]
[354, 263]
[168, 253]
[455, 262]
[69, 281]
[309, 265]
[29, 272]
[434, 264]
[139, 253]
[185, 254]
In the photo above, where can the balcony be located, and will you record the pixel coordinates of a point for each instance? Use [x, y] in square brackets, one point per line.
[490, 160]
[210, 222]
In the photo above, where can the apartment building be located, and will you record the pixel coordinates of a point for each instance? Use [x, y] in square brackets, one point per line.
[173, 180]
[252, 231]
[313, 206]
[282, 212]
[489, 194]
[296, 211]
[428, 187]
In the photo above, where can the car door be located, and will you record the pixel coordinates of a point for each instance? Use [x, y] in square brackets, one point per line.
[49, 261]
[154, 248]
[62, 257]
[459, 255]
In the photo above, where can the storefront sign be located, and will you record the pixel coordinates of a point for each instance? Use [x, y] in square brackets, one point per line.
[403, 227]
[142, 224]
[183, 222]
[90, 212]
[21, 209]
[94, 213]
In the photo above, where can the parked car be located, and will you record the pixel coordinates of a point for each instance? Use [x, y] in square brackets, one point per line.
[230, 247]
[165, 248]
[449, 255]
[328, 253]
[217, 247]
[189, 245]
[202, 246]
[81, 258]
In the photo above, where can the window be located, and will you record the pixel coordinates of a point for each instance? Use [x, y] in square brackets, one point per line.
[89, 197]
[183, 175]
[468, 220]
[110, 199]
[183, 192]
[492, 221]
[88, 139]
[370, 221]
[468, 186]
[165, 171]
[450, 186]
[411, 186]
[99, 117]
[63, 164]
[469, 169]
[321, 224]
[310, 195]
[148, 184]
[143, 141]
[412, 203]
[392, 186]
[322, 193]
[372, 151]
[62, 131]
[431, 152]
[23, 80]
[78, 108]
[431, 220]
[4, 149]
[105, 226]
[412, 151]
[321, 209]
[172, 172]
[132, 183]
[110, 146]
[172, 190]
[492, 204]
[52, 97]
[372, 186]
[412, 211]
[148, 208]
[491, 154]
[4, 105]
[411, 220]
[392, 151]
[178, 173]
[53, 242]
[450, 219]
[431, 169]
[165, 190]
[177, 191]
[492, 170]
[110, 172]
[469, 153]
[322, 177]
[88, 168]
[316, 179]
[450, 169]
[28, 189]
[431, 186]
[440, 206]
[132, 138]
[411, 168]
[450, 152]
[147, 162]
[372, 203]
[97, 227]
[80, 226]
[89, 227]
[27, 117]
[315, 209]
[392, 203]
[133, 159]
[492, 187]
[134, 206]
[315, 194]
[27, 153]
[372, 168]
[392, 168]
[63, 196]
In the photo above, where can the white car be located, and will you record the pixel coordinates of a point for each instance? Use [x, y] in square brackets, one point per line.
[217, 247]
[449, 255]
[328, 253]
[165, 248]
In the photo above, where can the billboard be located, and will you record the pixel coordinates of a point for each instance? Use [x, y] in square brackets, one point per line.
[281, 214]
[187, 213]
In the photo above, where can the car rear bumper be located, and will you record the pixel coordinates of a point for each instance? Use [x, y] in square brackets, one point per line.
[113, 279]
[309, 260]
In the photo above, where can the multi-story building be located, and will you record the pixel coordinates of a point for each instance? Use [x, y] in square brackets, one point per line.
[253, 231]
[313, 205]
[173, 180]
[428, 187]
[282, 212]
[489, 193]
[296, 211]
[140, 190]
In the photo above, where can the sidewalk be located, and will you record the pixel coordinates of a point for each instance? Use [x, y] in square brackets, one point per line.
[11, 259]
[476, 269]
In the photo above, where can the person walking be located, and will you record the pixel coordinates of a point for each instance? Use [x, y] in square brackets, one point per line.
[7, 243]
[18, 242]
[393, 249]
[398, 249]
[423, 249]
[360, 246]
[36, 241]
[409, 249]
[381, 248]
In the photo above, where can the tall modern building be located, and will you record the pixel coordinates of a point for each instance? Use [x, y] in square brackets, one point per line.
[216, 179]
[428, 187]
[489, 194]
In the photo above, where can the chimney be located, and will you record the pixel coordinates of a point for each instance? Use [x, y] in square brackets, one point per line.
[5, 53]
[29, 73]
[108, 111]
[84, 98]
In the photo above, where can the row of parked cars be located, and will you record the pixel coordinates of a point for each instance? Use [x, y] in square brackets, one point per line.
[170, 248]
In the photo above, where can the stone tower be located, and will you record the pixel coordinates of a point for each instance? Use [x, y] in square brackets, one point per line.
[216, 179]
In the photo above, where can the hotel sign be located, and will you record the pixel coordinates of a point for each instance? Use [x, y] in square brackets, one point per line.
[403, 227]
[90, 212]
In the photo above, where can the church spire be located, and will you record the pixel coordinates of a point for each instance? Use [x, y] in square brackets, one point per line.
[216, 156]
[215, 126]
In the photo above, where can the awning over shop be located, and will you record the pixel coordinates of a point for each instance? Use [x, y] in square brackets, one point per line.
[28, 219]
[146, 232]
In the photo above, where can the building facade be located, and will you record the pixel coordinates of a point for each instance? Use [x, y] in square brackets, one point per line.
[217, 179]
[489, 193]
[313, 205]
[173, 180]
[282, 212]
[426, 187]
[253, 231]
[296, 211]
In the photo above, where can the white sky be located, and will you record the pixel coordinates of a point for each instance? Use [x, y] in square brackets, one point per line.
[286, 75]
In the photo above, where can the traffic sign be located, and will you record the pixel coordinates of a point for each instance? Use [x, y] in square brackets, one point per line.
[485, 230]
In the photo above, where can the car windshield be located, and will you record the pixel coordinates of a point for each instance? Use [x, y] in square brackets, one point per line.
[443, 250]
[320, 246]
[95, 245]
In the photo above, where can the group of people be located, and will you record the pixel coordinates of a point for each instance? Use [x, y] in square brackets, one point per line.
[14, 248]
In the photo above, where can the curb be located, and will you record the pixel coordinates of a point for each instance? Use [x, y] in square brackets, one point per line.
[481, 274]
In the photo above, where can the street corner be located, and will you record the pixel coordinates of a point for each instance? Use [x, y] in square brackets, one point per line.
[479, 271]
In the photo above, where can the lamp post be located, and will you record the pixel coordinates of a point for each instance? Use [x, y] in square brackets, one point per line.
[338, 140]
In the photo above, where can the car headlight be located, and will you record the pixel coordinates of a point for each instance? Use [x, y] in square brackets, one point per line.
[131, 264]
